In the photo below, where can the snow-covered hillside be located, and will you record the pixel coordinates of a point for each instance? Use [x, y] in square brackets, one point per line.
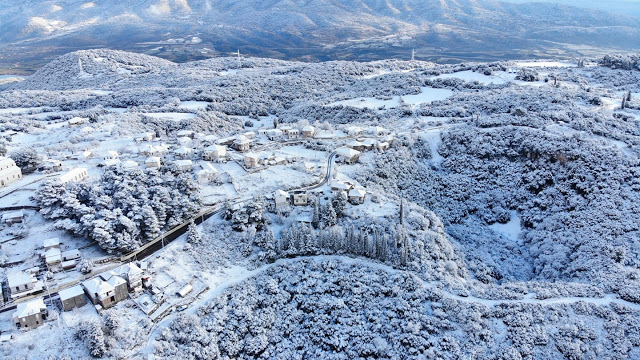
[390, 209]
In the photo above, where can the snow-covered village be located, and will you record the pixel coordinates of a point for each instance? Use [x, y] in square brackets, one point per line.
[156, 204]
[396, 208]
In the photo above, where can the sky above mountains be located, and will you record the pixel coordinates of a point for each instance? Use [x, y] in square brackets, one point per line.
[625, 7]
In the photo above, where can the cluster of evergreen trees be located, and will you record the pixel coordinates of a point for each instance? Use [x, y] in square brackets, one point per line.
[329, 238]
[122, 210]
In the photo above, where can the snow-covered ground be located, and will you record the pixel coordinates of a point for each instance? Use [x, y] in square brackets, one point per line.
[426, 95]
[172, 116]
[471, 76]
[511, 230]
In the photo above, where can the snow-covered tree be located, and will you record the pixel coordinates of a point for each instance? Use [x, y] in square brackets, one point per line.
[27, 159]
[193, 235]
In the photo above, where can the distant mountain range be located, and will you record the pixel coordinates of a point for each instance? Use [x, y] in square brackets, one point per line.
[32, 32]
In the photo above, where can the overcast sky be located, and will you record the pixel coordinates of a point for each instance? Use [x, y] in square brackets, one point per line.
[626, 7]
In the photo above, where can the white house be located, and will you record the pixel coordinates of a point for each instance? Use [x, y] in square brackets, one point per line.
[382, 146]
[107, 155]
[162, 149]
[72, 297]
[242, 143]
[9, 171]
[251, 160]
[286, 128]
[350, 156]
[52, 165]
[206, 174]
[249, 135]
[13, 217]
[185, 133]
[215, 152]
[147, 136]
[71, 255]
[310, 167]
[185, 141]
[281, 199]
[51, 243]
[53, 257]
[341, 186]
[75, 175]
[100, 292]
[23, 283]
[293, 133]
[149, 150]
[153, 162]
[356, 196]
[183, 152]
[274, 134]
[376, 130]
[300, 198]
[308, 131]
[355, 145]
[132, 274]
[184, 165]
[368, 144]
[129, 165]
[77, 121]
[111, 162]
[30, 315]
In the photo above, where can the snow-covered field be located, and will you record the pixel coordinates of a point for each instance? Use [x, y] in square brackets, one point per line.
[471, 76]
[426, 95]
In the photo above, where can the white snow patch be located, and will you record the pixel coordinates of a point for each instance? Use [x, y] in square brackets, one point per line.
[101, 92]
[434, 140]
[471, 76]
[544, 64]
[427, 94]
[194, 105]
[172, 116]
[510, 230]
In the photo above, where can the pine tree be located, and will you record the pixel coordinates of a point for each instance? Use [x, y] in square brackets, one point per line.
[315, 222]
[150, 227]
[92, 334]
[339, 203]
[193, 235]
[329, 216]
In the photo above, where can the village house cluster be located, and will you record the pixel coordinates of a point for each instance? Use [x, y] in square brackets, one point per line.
[188, 152]
[103, 291]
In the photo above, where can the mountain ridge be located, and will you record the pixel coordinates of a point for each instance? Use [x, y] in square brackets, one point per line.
[181, 30]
